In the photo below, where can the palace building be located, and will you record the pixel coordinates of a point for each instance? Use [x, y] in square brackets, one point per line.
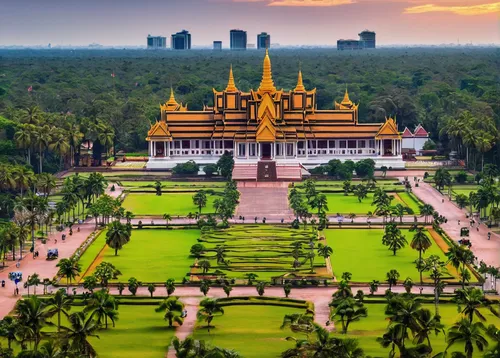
[269, 125]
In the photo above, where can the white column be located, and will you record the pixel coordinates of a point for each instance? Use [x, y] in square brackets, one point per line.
[149, 148]
[295, 147]
[307, 148]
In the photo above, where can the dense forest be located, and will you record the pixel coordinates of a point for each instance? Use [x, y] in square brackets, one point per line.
[440, 88]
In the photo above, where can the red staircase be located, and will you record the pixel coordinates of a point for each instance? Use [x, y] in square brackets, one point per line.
[245, 172]
[267, 170]
[292, 172]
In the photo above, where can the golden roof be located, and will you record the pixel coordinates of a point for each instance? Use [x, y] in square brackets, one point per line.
[388, 130]
[300, 86]
[231, 87]
[346, 101]
[171, 104]
[159, 129]
[267, 83]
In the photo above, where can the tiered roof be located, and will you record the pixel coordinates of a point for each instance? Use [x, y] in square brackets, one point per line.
[267, 114]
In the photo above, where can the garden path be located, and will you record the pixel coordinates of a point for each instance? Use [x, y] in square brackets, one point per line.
[264, 199]
[187, 328]
[484, 249]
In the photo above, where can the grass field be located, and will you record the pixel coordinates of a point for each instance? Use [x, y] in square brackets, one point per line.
[360, 251]
[339, 203]
[368, 329]
[171, 184]
[261, 249]
[410, 202]
[152, 255]
[253, 331]
[171, 203]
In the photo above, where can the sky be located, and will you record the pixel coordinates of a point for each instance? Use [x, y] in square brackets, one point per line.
[290, 22]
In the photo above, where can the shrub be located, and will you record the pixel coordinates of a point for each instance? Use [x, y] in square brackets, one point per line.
[461, 177]
[210, 169]
[190, 167]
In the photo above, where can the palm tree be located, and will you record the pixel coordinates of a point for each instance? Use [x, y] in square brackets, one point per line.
[9, 328]
[31, 313]
[25, 139]
[204, 265]
[392, 278]
[374, 286]
[173, 310]
[117, 235]
[470, 302]
[428, 324]
[69, 268]
[260, 287]
[82, 326]
[59, 303]
[347, 310]
[209, 309]
[393, 238]
[219, 254]
[42, 136]
[45, 183]
[420, 242]
[60, 145]
[426, 210]
[23, 178]
[467, 333]
[325, 251]
[103, 306]
[167, 218]
[251, 277]
[170, 286]
[320, 202]
[200, 200]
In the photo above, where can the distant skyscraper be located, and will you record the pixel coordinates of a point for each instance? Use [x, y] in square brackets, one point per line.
[368, 39]
[156, 42]
[181, 40]
[263, 40]
[349, 45]
[238, 39]
[218, 45]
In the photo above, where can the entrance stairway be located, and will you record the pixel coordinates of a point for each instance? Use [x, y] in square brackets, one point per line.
[245, 172]
[266, 171]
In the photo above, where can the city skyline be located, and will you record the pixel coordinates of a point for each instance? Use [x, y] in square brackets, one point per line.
[290, 22]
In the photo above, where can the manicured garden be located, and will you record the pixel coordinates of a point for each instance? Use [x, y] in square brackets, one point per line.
[265, 250]
[410, 201]
[251, 330]
[150, 204]
[346, 204]
[361, 252]
[152, 255]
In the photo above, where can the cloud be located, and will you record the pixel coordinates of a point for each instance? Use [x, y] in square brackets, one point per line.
[310, 3]
[467, 10]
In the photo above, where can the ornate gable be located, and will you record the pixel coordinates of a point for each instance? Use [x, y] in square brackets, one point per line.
[389, 130]
[420, 132]
[159, 130]
[266, 130]
[407, 133]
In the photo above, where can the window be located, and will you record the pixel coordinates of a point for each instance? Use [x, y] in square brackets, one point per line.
[332, 144]
[361, 144]
[241, 149]
[197, 144]
[312, 144]
[177, 144]
[253, 149]
[279, 149]
[206, 144]
[300, 145]
[289, 150]
[372, 143]
[228, 144]
[343, 144]
[323, 144]
[351, 144]
[186, 144]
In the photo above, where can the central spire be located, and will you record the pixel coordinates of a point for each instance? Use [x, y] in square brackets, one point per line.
[267, 83]
[300, 85]
[172, 101]
[231, 87]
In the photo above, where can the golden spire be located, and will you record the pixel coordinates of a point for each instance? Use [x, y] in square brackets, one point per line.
[346, 100]
[231, 87]
[300, 85]
[267, 83]
[172, 101]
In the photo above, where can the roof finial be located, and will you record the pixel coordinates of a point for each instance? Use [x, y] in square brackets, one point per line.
[300, 84]
[346, 99]
[172, 101]
[267, 83]
[231, 87]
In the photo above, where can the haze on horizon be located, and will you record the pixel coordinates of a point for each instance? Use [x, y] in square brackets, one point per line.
[290, 22]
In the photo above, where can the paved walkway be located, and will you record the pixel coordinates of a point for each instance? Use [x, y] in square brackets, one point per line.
[264, 199]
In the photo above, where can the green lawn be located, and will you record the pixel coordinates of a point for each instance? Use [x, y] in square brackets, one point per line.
[171, 203]
[172, 184]
[360, 251]
[410, 202]
[253, 331]
[152, 255]
[92, 251]
[339, 203]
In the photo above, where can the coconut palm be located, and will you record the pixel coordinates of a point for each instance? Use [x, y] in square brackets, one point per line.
[347, 310]
[426, 210]
[393, 238]
[209, 309]
[469, 334]
[81, 327]
[117, 235]
[25, 138]
[204, 265]
[69, 268]
[200, 200]
[173, 310]
[170, 286]
[23, 178]
[325, 251]
[103, 306]
[9, 328]
[427, 324]
[42, 137]
[167, 218]
[60, 145]
[59, 303]
[470, 302]
[31, 313]
[45, 183]
[421, 243]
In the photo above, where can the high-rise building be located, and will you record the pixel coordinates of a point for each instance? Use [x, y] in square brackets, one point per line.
[156, 42]
[367, 38]
[349, 45]
[218, 45]
[263, 40]
[181, 40]
[238, 39]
